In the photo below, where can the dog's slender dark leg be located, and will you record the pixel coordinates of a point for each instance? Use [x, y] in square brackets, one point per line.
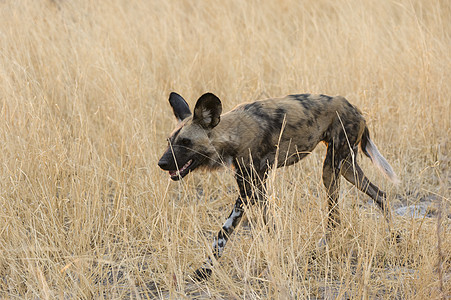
[219, 244]
[251, 187]
[331, 180]
[354, 174]
[227, 229]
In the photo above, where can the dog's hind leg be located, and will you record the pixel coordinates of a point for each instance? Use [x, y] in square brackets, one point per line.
[354, 174]
[331, 180]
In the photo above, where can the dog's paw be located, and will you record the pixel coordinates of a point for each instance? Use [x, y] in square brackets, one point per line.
[202, 274]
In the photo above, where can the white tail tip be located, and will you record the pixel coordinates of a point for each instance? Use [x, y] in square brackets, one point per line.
[381, 163]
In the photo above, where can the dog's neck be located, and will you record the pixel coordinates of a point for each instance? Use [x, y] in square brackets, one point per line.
[227, 137]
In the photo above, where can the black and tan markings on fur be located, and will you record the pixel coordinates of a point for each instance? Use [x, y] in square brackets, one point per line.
[257, 136]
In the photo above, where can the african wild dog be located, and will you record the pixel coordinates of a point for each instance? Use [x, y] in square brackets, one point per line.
[257, 136]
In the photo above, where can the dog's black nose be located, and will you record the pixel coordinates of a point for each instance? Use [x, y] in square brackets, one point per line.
[162, 163]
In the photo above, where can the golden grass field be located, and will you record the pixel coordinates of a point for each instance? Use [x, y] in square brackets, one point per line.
[85, 212]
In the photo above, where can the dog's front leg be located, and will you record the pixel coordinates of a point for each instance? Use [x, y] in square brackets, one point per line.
[251, 187]
[219, 244]
[227, 229]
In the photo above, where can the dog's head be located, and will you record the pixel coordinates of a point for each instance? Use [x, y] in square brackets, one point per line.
[189, 146]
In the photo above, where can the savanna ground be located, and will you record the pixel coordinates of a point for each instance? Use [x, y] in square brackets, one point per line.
[86, 213]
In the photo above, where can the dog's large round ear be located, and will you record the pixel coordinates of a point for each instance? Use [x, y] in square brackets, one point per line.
[208, 110]
[179, 106]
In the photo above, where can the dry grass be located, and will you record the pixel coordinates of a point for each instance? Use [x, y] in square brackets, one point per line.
[86, 213]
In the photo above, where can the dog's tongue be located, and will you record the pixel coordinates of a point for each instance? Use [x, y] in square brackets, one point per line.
[172, 173]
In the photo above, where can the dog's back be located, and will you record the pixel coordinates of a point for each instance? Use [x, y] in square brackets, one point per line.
[287, 129]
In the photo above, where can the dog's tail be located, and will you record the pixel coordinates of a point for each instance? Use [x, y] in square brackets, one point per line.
[370, 150]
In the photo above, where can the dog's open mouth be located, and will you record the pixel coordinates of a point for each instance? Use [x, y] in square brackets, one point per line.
[180, 173]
